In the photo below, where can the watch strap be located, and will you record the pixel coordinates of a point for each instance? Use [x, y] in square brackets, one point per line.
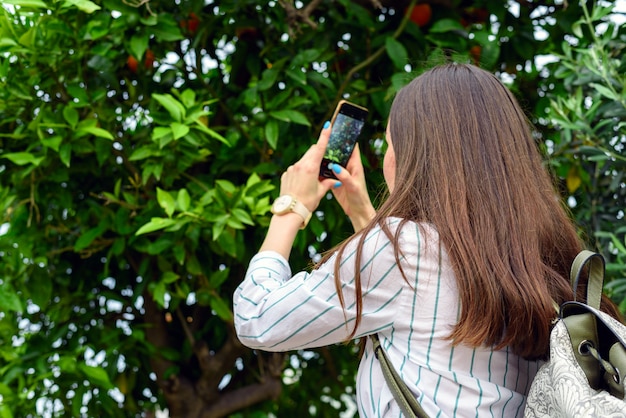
[299, 208]
[294, 206]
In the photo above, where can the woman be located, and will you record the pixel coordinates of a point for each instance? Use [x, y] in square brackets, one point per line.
[457, 270]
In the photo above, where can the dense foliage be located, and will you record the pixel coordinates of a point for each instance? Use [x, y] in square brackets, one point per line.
[141, 143]
[588, 107]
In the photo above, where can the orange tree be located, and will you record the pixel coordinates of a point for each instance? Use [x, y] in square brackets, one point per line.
[141, 143]
[587, 111]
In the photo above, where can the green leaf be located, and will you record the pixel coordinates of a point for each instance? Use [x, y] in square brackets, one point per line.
[234, 223]
[446, 25]
[397, 53]
[5, 411]
[155, 224]
[297, 75]
[96, 375]
[84, 5]
[52, 142]
[117, 187]
[489, 54]
[32, 4]
[173, 106]
[150, 20]
[151, 170]
[193, 265]
[220, 307]
[242, 216]
[256, 187]
[164, 140]
[5, 390]
[577, 29]
[28, 38]
[9, 300]
[143, 153]
[7, 43]
[67, 364]
[65, 154]
[88, 236]
[271, 133]
[399, 80]
[188, 98]
[253, 180]
[169, 277]
[289, 115]
[167, 28]
[203, 128]
[268, 78]
[599, 157]
[40, 287]
[226, 241]
[95, 131]
[218, 227]
[179, 130]
[255, 190]
[162, 244]
[227, 186]
[183, 200]
[166, 201]
[78, 93]
[158, 293]
[71, 116]
[139, 44]
[219, 277]
[22, 158]
[619, 244]
[606, 92]
[179, 254]
[160, 132]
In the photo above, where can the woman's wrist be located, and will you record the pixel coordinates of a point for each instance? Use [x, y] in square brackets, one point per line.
[363, 218]
[281, 233]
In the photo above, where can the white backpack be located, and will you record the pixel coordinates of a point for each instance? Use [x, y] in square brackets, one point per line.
[585, 375]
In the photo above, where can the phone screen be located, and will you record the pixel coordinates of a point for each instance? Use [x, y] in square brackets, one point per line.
[346, 129]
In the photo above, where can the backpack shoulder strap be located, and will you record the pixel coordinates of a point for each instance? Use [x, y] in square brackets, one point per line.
[406, 400]
[595, 281]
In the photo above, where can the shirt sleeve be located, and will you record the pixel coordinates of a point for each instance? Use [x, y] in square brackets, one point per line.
[277, 312]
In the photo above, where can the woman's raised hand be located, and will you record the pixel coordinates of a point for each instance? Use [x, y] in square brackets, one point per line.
[352, 195]
[302, 181]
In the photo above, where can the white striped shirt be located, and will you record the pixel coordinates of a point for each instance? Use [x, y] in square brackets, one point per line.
[277, 312]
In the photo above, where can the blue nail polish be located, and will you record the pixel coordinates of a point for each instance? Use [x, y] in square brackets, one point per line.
[326, 125]
[338, 184]
[336, 168]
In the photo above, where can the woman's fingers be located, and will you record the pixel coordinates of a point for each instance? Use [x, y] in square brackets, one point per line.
[324, 137]
[317, 150]
[355, 157]
[302, 178]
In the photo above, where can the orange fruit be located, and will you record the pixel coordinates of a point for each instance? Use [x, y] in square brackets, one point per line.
[131, 62]
[192, 23]
[475, 52]
[421, 14]
[148, 59]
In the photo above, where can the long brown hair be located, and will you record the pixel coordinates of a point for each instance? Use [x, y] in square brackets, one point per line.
[467, 163]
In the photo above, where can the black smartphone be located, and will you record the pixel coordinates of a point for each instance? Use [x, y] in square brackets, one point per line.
[347, 123]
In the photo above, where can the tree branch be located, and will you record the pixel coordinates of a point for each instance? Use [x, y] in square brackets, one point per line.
[215, 366]
[269, 388]
[370, 60]
[156, 336]
[295, 16]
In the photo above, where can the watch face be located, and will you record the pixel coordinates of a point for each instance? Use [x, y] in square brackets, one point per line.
[282, 203]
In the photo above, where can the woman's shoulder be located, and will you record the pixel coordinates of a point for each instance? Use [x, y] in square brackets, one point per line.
[395, 233]
[408, 228]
